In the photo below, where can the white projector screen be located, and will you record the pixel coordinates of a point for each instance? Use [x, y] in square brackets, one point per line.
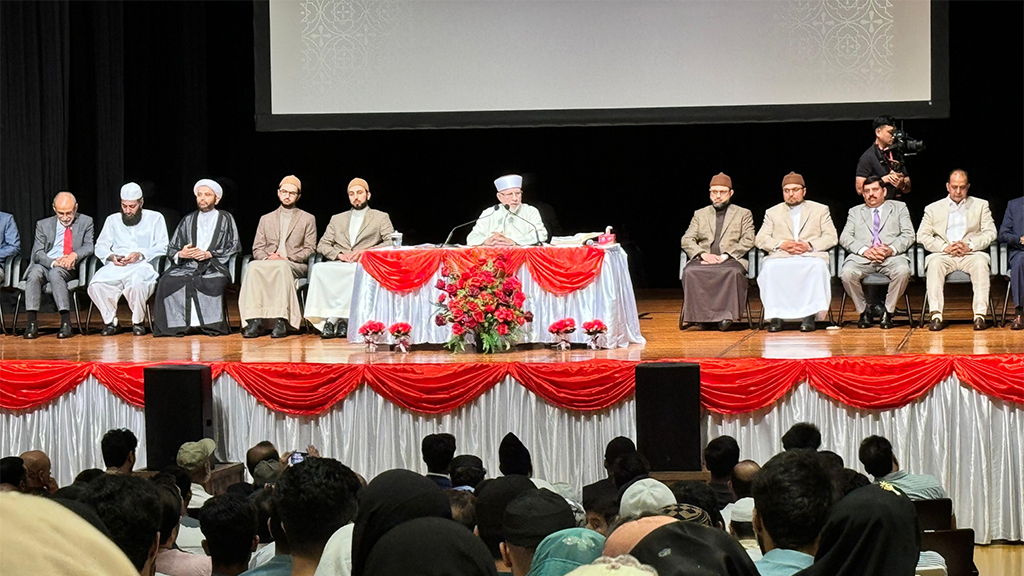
[439, 63]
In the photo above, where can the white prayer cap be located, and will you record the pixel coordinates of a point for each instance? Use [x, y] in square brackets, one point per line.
[743, 510]
[211, 184]
[131, 191]
[510, 181]
[646, 495]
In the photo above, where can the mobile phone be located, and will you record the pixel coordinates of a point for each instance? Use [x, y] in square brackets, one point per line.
[297, 457]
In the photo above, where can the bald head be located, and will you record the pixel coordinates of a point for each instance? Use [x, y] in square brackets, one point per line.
[65, 206]
[37, 471]
[263, 451]
[743, 476]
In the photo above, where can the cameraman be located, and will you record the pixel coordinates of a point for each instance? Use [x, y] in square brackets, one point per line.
[883, 160]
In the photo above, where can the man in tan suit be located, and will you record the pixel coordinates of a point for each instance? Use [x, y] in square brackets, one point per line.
[285, 238]
[347, 236]
[717, 242]
[957, 230]
[795, 281]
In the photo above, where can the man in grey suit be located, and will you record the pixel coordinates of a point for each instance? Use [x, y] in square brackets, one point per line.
[61, 242]
[877, 235]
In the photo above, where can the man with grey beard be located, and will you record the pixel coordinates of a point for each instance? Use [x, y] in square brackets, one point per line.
[129, 241]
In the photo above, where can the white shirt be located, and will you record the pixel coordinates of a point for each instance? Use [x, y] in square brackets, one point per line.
[58, 240]
[148, 237]
[355, 224]
[205, 228]
[956, 225]
[794, 215]
[518, 229]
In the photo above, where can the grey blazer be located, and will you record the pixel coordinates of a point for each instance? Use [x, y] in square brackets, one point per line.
[82, 236]
[375, 231]
[896, 230]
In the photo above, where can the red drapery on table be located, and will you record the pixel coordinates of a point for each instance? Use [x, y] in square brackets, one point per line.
[728, 386]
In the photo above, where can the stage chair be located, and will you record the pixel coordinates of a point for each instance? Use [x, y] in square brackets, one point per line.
[875, 279]
[751, 280]
[159, 264]
[833, 270]
[74, 288]
[301, 284]
[955, 546]
[957, 277]
[12, 275]
[936, 514]
[1004, 269]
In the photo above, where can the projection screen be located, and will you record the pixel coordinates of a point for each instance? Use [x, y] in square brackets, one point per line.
[342, 64]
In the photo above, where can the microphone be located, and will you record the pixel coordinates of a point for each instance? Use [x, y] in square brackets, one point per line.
[536, 232]
[447, 241]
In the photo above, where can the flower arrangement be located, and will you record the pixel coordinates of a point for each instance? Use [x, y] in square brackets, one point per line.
[595, 329]
[371, 332]
[402, 333]
[486, 300]
[561, 329]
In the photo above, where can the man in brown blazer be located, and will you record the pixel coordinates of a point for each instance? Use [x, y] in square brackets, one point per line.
[957, 230]
[285, 239]
[716, 244]
[797, 235]
[347, 236]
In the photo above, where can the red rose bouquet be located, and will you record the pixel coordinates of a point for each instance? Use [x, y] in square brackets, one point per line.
[596, 330]
[561, 329]
[486, 301]
[371, 332]
[402, 333]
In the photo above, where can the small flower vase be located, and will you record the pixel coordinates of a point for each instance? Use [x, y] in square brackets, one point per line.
[371, 343]
[563, 343]
[402, 344]
[596, 341]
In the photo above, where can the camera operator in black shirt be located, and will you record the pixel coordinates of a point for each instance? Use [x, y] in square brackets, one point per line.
[885, 160]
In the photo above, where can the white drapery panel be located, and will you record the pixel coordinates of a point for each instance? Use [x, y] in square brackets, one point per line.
[971, 442]
[609, 298]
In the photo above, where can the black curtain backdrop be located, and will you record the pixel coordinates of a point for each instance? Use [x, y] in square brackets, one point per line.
[187, 106]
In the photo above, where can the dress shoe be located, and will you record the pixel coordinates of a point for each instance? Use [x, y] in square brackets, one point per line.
[936, 324]
[280, 328]
[32, 332]
[65, 331]
[775, 325]
[329, 331]
[865, 320]
[139, 329]
[1018, 323]
[724, 325]
[252, 329]
[109, 330]
[342, 330]
[886, 322]
[807, 324]
[980, 323]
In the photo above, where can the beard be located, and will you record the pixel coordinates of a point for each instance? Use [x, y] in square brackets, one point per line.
[360, 206]
[207, 208]
[131, 220]
[719, 206]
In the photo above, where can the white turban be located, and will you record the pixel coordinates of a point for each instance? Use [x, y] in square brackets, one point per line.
[131, 191]
[510, 181]
[211, 184]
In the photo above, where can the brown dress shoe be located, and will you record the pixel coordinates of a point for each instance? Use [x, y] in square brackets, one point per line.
[1018, 323]
[980, 324]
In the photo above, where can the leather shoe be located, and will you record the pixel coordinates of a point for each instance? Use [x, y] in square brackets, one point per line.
[65, 331]
[775, 325]
[936, 324]
[1018, 323]
[32, 332]
[886, 322]
[139, 329]
[329, 331]
[865, 320]
[252, 329]
[342, 330]
[280, 329]
[724, 325]
[980, 323]
[109, 330]
[807, 324]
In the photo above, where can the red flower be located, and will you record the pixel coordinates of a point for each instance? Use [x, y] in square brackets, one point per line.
[440, 284]
[521, 320]
[529, 316]
[595, 327]
[441, 297]
[518, 299]
[440, 320]
[501, 329]
[457, 329]
[489, 308]
[451, 289]
[371, 327]
[400, 329]
[478, 316]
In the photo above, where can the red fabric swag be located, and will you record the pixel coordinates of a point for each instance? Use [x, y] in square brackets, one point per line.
[565, 270]
[433, 388]
[401, 270]
[26, 384]
[591, 385]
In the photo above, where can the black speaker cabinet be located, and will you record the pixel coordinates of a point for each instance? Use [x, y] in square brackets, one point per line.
[668, 415]
[179, 409]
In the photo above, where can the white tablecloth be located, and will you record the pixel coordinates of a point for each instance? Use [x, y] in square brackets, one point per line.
[609, 298]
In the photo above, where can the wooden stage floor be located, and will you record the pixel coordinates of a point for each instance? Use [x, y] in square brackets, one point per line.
[659, 312]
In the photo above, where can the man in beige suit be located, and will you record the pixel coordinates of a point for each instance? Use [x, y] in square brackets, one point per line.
[877, 235]
[957, 230]
[797, 235]
[347, 236]
[716, 243]
[285, 238]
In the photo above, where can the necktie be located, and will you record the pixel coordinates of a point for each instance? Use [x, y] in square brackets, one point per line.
[67, 241]
[874, 233]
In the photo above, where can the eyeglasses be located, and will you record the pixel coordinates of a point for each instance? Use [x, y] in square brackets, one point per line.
[507, 193]
[792, 190]
[287, 192]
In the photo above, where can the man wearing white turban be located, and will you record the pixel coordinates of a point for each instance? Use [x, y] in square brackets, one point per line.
[510, 222]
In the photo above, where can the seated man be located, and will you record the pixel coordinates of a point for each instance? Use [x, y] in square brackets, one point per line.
[529, 518]
[38, 473]
[348, 234]
[877, 235]
[717, 242]
[284, 240]
[510, 223]
[879, 461]
[1012, 233]
[190, 294]
[61, 242]
[127, 243]
[957, 230]
[196, 459]
[228, 523]
[721, 455]
[10, 241]
[797, 235]
[438, 451]
[130, 509]
[118, 448]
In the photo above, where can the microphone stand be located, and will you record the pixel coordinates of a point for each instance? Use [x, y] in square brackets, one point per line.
[536, 232]
[447, 241]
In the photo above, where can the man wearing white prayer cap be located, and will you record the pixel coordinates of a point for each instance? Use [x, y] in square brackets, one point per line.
[190, 294]
[511, 222]
[129, 245]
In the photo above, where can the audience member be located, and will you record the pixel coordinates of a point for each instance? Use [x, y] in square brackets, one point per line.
[563, 551]
[463, 507]
[624, 565]
[685, 548]
[278, 559]
[266, 472]
[792, 497]
[429, 546]
[467, 472]
[879, 461]
[262, 452]
[740, 481]
[741, 526]
[12, 474]
[228, 522]
[263, 500]
[195, 457]
[528, 519]
[171, 560]
[644, 496]
[602, 513]
[687, 513]
[38, 478]
[118, 447]
[438, 451]
[629, 467]
[802, 435]
[699, 494]
[514, 457]
[130, 509]
[831, 461]
[849, 480]
[605, 487]
[492, 497]
[627, 535]
[88, 475]
[720, 456]
[870, 531]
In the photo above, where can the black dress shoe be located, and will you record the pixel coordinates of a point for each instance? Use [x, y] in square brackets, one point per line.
[724, 325]
[886, 322]
[109, 330]
[139, 329]
[807, 324]
[342, 330]
[936, 324]
[1018, 323]
[865, 320]
[65, 331]
[329, 331]
[252, 329]
[980, 323]
[280, 329]
[775, 325]
[32, 332]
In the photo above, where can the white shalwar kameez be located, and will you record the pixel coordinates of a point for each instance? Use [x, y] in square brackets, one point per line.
[135, 281]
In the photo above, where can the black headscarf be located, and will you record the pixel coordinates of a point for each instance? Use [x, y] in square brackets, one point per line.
[870, 531]
[392, 498]
[689, 549]
[430, 547]
[514, 457]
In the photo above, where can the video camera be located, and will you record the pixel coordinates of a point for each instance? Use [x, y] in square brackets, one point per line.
[903, 145]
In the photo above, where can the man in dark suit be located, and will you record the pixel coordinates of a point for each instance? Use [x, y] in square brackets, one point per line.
[1012, 233]
[61, 242]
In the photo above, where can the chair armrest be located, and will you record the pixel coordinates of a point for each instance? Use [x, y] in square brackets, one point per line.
[233, 268]
[11, 263]
[840, 257]
[993, 255]
[317, 258]
[753, 262]
[1004, 259]
[245, 265]
[682, 263]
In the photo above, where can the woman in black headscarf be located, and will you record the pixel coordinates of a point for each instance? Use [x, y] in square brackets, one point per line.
[870, 531]
[392, 498]
[687, 548]
[430, 547]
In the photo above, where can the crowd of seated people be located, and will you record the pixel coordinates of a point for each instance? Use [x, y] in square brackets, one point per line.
[800, 512]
